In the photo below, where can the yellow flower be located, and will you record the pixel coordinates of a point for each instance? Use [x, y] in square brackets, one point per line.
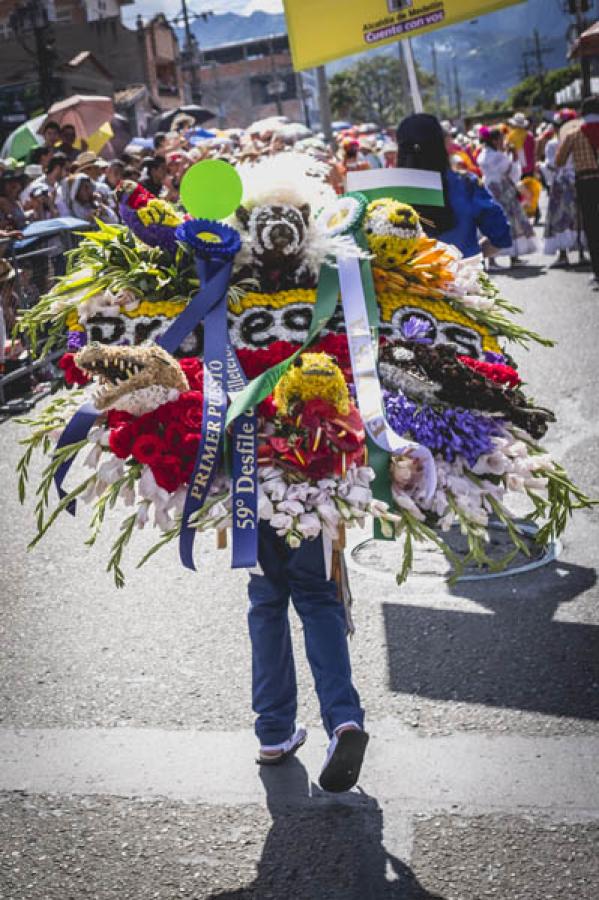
[273, 301]
[159, 212]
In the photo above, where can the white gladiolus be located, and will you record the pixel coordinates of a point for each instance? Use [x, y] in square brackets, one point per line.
[309, 525]
[281, 521]
[142, 516]
[111, 470]
[265, 507]
[93, 457]
[291, 507]
[162, 519]
[128, 495]
[149, 490]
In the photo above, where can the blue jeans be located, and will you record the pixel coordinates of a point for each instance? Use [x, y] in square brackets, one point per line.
[299, 574]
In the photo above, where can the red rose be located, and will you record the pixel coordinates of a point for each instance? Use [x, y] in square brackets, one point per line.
[190, 446]
[116, 417]
[336, 345]
[189, 409]
[496, 372]
[174, 433]
[167, 473]
[194, 372]
[255, 362]
[139, 197]
[148, 448]
[72, 373]
[121, 440]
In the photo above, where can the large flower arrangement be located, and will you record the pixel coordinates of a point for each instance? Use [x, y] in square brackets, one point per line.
[447, 383]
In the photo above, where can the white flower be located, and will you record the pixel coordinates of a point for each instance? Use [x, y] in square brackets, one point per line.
[298, 491]
[265, 507]
[405, 502]
[327, 484]
[142, 516]
[514, 483]
[162, 519]
[359, 495]
[177, 500]
[309, 525]
[329, 513]
[149, 490]
[293, 541]
[97, 435]
[281, 521]
[93, 457]
[292, 507]
[128, 495]
[111, 470]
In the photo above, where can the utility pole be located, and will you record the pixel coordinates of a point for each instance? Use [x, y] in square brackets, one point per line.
[458, 89]
[577, 9]
[191, 60]
[31, 18]
[436, 77]
[405, 81]
[536, 54]
[450, 96]
[326, 124]
[413, 77]
[277, 86]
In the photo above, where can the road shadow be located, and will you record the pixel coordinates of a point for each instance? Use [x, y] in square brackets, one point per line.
[517, 657]
[519, 272]
[321, 847]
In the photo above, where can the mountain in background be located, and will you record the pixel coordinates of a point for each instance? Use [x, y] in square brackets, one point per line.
[488, 50]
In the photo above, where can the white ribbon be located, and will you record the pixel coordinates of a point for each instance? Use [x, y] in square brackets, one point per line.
[368, 388]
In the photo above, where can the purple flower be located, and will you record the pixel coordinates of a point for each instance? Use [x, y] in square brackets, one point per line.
[416, 329]
[76, 340]
[495, 358]
[449, 432]
[153, 235]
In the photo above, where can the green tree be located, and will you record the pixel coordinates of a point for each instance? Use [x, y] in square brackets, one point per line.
[531, 92]
[370, 91]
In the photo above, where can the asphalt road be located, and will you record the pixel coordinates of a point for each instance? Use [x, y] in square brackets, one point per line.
[126, 751]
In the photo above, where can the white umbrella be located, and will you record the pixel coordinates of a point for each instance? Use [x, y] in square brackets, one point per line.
[294, 131]
[267, 126]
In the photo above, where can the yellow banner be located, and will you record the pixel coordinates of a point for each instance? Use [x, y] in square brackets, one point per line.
[322, 30]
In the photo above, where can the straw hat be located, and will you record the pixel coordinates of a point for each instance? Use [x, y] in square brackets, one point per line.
[86, 160]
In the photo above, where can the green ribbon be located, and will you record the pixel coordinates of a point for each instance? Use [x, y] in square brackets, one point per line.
[327, 297]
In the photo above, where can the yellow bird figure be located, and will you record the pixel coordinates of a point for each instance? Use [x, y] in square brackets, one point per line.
[314, 375]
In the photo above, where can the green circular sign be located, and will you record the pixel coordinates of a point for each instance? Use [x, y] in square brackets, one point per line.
[211, 189]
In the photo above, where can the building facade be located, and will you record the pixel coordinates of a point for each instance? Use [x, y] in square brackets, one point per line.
[101, 46]
[251, 80]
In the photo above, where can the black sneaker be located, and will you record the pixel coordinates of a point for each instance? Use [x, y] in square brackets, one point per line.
[344, 761]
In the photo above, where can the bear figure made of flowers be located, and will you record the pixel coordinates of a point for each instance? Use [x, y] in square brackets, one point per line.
[444, 377]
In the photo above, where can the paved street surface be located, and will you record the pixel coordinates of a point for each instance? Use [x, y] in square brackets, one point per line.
[126, 747]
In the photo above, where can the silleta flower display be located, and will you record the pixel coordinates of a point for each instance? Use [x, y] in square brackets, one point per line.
[297, 434]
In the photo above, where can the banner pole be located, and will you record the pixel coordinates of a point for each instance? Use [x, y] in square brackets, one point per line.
[324, 103]
[413, 77]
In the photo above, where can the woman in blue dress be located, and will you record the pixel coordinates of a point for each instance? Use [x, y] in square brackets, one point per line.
[469, 211]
